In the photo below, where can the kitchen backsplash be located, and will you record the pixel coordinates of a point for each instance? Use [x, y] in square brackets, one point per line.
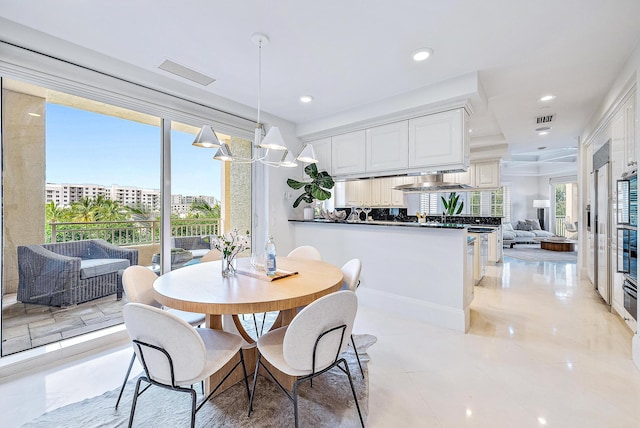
[400, 214]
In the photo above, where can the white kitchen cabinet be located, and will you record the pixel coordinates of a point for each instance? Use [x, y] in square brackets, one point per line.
[348, 153]
[467, 177]
[487, 174]
[385, 191]
[495, 246]
[375, 188]
[619, 162]
[439, 141]
[481, 256]
[630, 134]
[376, 192]
[397, 196]
[352, 193]
[387, 147]
[322, 149]
[358, 193]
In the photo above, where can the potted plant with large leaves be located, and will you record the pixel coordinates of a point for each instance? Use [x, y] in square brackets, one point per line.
[317, 188]
[453, 205]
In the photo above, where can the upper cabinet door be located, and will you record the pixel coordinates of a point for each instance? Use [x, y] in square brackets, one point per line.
[322, 148]
[439, 141]
[387, 147]
[487, 174]
[630, 133]
[348, 153]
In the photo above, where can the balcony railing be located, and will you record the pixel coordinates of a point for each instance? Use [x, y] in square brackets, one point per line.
[560, 229]
[130, 232]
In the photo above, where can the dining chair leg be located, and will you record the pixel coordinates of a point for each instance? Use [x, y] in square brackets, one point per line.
[135, 400]
[126, 377]
[255, 323]
[193, 408]
[357, 356]
[264, 317]
[244, 372]
[255, 380]
[295, 403]
[353, 390]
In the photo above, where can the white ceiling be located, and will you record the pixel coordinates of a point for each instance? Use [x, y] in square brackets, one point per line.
[349, 54]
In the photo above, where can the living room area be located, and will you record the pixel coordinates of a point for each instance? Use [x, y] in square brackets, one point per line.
[544, 220]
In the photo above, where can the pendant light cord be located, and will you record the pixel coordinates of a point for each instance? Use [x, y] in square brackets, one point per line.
[259, 78]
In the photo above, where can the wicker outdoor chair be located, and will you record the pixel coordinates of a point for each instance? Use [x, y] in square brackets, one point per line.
[68, 273]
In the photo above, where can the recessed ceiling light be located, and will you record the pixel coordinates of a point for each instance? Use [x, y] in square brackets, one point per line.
[543, 132]
[306, 98]
[547, 98]
[470, 130]
[34, 114]
[543, 128]
[422, 54]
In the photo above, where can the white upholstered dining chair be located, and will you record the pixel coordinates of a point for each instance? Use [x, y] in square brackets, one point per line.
[311, 345]
[306, 252]
[138, 286]
[351, 273]
[175, 355]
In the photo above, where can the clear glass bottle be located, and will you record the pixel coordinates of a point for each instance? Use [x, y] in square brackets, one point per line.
[270, 257]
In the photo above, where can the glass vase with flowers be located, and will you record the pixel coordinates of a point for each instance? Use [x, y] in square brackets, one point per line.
[230, 245]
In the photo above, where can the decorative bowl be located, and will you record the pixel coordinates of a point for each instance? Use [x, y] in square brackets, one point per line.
[334, 215]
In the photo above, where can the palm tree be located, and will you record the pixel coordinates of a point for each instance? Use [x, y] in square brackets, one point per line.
[54, 214]
[83, 210]
[141, 213]
[109, 210]
[201, 208]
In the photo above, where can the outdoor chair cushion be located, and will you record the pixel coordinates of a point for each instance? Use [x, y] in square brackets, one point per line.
[199, 253]
[90, 268]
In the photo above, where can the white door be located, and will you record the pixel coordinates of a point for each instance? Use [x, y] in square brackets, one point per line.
[591, 234]
[602, 197]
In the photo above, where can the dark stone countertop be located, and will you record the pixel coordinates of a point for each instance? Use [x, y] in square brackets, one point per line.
[432, 225]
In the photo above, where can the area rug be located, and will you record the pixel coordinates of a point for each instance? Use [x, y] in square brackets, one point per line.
[329, 403]
[533, 253]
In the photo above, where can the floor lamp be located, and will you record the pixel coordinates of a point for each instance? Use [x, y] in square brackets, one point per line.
[541, 204]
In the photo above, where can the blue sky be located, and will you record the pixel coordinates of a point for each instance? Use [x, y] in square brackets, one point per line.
[85, 147]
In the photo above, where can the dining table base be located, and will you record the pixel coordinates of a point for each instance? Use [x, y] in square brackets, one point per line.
[250, 358]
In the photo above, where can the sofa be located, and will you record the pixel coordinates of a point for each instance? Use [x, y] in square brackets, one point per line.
[68, 273]
[523, 232]
[197, 245]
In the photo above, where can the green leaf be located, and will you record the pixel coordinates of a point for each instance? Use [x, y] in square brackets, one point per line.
[294, 184]
[298, 200]
[320, 194]
[445, 204]
[311, 170]
[460, 209]
[325, 181]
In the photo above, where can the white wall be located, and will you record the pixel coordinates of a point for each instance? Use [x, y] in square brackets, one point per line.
[523, 191]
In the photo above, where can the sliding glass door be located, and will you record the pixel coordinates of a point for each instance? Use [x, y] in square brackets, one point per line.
[82, 200]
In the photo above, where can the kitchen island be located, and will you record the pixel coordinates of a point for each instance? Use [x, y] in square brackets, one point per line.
[422, 271]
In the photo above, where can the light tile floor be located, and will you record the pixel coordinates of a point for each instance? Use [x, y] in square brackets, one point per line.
[542, 351]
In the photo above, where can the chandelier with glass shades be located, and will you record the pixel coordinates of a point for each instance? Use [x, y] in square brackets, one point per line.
[272, 140]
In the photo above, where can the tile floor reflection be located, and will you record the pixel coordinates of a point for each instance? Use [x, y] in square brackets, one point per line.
[542, 351]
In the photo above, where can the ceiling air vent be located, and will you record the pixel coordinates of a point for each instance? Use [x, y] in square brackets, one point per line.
[185, 72]
[545, 119]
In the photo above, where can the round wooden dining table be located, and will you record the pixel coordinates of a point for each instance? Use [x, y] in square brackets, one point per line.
[201, 288]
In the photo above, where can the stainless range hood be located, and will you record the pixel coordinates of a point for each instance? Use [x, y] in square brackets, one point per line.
[432, 183]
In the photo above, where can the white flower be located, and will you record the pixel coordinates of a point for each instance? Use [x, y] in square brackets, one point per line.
[231, 244]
